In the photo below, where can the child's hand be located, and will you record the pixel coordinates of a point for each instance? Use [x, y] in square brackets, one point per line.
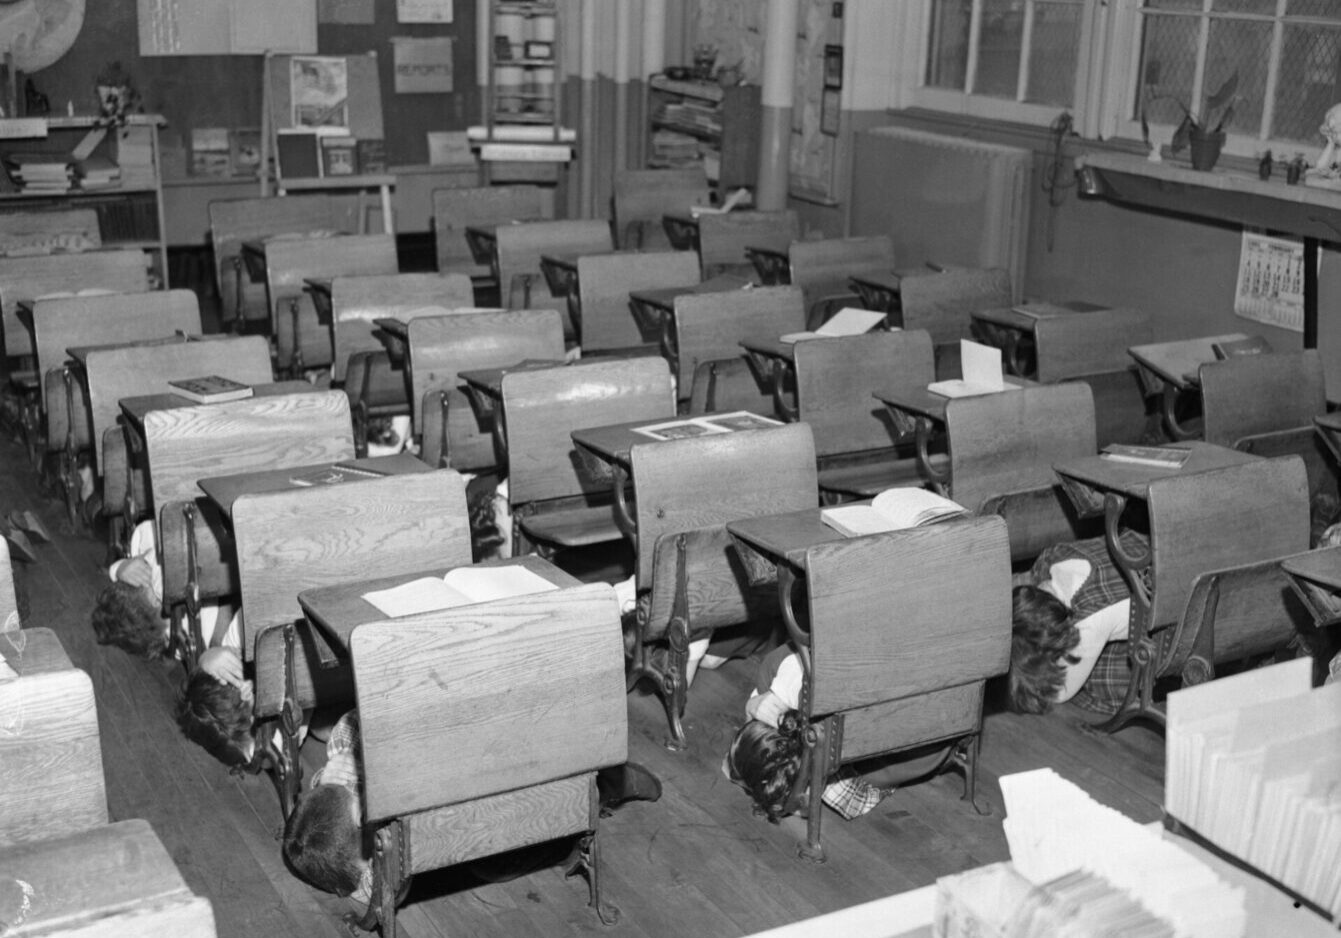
[137, 572]
[766, 708]
[224, 665]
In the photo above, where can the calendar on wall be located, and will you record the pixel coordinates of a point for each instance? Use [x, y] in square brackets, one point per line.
[1270, 285]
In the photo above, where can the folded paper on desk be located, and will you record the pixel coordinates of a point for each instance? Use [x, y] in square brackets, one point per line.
[460, 587]
[1166, 457]
[211, 389]
[891, 510]
[982, 373]
[847, 321]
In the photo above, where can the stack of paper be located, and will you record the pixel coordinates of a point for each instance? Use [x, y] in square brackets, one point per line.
[1254, 766]
[1054, 828]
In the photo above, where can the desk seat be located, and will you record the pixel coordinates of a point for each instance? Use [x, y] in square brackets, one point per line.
[573, 527]
[116, 880]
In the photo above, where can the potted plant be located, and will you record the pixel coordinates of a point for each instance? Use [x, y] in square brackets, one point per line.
[1203, 131]
[117, 96]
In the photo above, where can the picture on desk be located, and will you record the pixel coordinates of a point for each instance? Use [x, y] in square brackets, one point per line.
[704, 426]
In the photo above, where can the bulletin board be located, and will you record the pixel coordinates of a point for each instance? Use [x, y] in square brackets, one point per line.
[816, 100]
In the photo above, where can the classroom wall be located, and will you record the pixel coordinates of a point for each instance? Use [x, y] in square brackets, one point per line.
[225, 91]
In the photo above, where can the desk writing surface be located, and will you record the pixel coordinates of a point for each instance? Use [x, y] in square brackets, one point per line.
[923, 403]
[785, 537]
[135, 409]
[663, 298]
[612, 443]
[224, 490]
[1177, 362]
[773, 348]
[338, 610]
[1318, 566]
[80, 353]
[1024, 319]
[489, 381]
[1135, 478]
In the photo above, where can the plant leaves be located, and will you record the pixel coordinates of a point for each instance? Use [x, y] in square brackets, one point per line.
[1182, 135]
[1225, 119]
[1222, 96]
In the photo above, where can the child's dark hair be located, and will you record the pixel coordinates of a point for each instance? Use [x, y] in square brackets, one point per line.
[123, 616]
[765, 762]
[1042, 637]
[323, 843]
[485, 536]
[216, 717]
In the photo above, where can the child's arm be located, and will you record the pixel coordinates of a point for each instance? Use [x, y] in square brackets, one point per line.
[1107, 625]
[782, 695]
[224, 665]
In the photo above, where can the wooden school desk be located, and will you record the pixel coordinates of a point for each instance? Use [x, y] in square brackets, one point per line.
[922, 413]
[610, 446]
[681, 230]
[655, 309]
[320, 290]
[337, 610]
[1329, 428]
[1012, 329]
[775, 359]
[225, 490]
[1316, 579]
[773, 548]
[484, 387]
[1171, 368]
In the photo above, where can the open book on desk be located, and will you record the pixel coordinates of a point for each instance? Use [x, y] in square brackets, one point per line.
[847, 321]
[891, 510]
[981, 367]
[460, 587]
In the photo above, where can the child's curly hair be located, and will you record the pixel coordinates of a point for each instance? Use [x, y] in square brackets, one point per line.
[323, 843]
[765, 762]
[1042, 637]
[216, 717]
[485, 535]
[123, 616]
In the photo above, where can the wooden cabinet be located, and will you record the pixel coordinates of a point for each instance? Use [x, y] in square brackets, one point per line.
[703, 122]
[115, 171]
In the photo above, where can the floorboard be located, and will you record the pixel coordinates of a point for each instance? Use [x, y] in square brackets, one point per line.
[698, 862]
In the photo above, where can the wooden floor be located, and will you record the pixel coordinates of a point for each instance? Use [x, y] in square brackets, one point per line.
[695, 863]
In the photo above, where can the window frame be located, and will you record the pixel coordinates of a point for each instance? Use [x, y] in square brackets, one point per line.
[1107, 63]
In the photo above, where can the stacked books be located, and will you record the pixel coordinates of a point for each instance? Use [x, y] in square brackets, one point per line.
[1253, 765]
[670, 148]
[41, 172]
[97, 172]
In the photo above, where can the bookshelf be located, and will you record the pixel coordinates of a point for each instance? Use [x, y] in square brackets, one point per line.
[522, 113]
[694, 122]
[127, 196]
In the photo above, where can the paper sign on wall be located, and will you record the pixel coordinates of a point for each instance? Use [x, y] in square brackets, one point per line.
[423, 11]
[422, 65]
[1270, 286]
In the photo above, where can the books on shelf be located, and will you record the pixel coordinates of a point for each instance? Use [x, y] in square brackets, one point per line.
[981, 367]
[1165, 457]
[706, 425]
[891, 510]
[847, 321]
[211, 389]
[460, 587]
[1234, 348]
[1253, 765]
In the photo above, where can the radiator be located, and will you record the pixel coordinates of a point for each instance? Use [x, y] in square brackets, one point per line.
[943, 199]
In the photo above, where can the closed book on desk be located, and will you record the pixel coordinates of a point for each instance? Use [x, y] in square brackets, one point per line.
[891, 510]
[211, 389]
[1161, 456]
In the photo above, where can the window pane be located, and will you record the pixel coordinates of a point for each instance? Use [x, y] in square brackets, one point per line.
[1173, 4]
[1052, 65]
[1168, 62]
[1245, 48]
[1326, 9]
[947, 61]
[1310, 82]
[1262, 7]
[1000, 42]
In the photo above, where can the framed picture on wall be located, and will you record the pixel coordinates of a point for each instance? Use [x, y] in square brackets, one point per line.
[829, 111]
[833, 66]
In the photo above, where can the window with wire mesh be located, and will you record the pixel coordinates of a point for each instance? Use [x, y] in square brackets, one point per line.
[1286, 55]
[1018, 50]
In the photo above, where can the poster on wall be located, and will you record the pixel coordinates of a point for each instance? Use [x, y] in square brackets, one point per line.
[1270, 286]
[423, 11]
[319, 91]
[422, 66]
